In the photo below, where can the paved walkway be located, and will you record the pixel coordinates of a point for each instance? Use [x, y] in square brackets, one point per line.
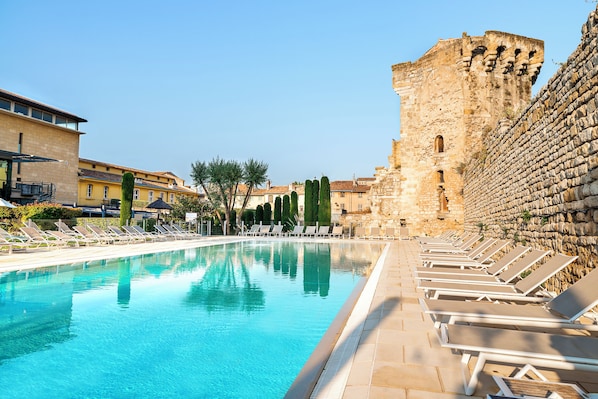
[398, 355]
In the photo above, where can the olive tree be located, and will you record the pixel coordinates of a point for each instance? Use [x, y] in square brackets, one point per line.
[221, 179]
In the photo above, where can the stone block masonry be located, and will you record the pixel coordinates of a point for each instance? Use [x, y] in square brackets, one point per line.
[535, 177]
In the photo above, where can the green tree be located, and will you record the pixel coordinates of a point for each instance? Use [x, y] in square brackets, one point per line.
[255, 173]
[267, 213]
[185, 204]
[286, 212]
[259, 214]
[315, 198]
[126, 198]
[324, 211]
[248, 217]
[294, 207]
[220, 181]
[308, 213]
[277, 210]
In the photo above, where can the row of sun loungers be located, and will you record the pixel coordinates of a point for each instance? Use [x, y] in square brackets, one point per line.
[298, 231]
[326, 232]
[34, 237]
[499, 311]
[376, 233]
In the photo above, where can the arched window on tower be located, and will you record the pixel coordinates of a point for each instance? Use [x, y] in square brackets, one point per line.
[439, 144]
[442, 200]
[440, 177]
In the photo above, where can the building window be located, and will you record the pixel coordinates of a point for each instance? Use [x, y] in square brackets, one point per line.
[21, 109]
[136, 194]
[44, 116]
[359, 207]
[440, 177]
[171, 198]
[359, 195]
[342, 205]
[150, 196]
[60, 121]
[4, 104]
[89, 190]
[342, 194]
[105, 192]
[439, 144]
[162, 196]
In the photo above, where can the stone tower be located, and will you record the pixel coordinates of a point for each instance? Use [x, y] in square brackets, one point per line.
[452, 96]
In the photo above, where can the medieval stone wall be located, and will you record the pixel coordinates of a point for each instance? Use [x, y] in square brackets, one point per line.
[535, 177]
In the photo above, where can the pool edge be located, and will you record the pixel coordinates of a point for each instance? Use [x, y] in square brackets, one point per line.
[312, 372]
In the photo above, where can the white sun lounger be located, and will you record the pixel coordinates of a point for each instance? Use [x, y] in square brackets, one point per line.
[493, 269]
[524, 290]
[470, 256]
[464, 247]
[564, 310]
[297, 231]
[506, 276]
[462, 261]
[557, 351]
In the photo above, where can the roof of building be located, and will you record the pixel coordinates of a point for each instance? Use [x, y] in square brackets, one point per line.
[36, 104]
[114, 178]
[348, 185]
[127, 168]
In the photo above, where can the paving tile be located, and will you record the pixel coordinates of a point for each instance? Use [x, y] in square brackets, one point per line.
[403, 337]
[411, 377]
[417, 394]
[387, 393]
[365, 353]
[424, 355]
[356, 392]
[389, 353]
[361, 373]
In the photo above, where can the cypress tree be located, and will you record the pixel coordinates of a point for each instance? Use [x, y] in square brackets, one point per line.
[324, 211]
[259, 214]
[277, 210]
[286, 211]
[267, 213]
[126, 198]
[294, 207]
[315, 200]
[308, 204]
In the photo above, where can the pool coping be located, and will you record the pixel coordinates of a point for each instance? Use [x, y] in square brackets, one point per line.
[326, 372]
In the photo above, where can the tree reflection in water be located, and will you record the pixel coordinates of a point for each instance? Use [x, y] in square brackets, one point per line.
[316, 269]
[226, 285]
[124, 282]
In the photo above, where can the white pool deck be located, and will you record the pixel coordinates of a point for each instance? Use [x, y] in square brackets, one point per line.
[388, 348]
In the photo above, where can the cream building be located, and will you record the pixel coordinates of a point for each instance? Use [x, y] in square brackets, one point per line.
[100, 184]
[39, 151]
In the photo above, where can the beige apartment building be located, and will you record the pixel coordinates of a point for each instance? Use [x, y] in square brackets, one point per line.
[100, 184]
[349, 196]
[39, 151]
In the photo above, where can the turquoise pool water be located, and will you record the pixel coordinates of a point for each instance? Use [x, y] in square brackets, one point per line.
[227, 321]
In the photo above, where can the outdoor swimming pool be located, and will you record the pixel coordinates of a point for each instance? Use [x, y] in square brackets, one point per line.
[237, 320]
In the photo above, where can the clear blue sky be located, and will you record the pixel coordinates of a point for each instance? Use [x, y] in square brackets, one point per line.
[304, 86]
